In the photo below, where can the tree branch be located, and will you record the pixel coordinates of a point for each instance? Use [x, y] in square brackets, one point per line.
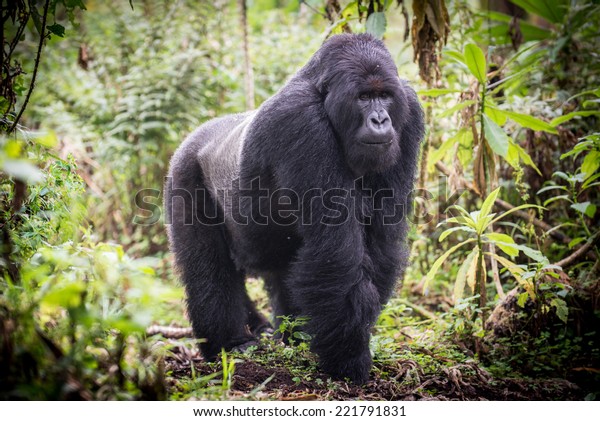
[35, 68]
[580, 252]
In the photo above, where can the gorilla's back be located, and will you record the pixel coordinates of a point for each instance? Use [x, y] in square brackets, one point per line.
[219, 152]
[207, 159]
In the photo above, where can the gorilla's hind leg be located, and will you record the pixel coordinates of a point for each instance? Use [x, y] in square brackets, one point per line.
[216, 294]
[217, 300]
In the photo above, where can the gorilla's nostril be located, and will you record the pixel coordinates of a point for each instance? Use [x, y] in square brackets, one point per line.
[379, 119]
[379, 123]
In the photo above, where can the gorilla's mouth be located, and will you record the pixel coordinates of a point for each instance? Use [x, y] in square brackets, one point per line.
[385, 142]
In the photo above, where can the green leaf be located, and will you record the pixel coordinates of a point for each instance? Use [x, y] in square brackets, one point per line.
[560, 174]
[591, 103]
[37, 20]
[530, 122]
[508, 248]
[13, 148]
[455, 55]
[460, 209]
[514, 269]
[459, 220]
[475, 60]
[535, 255]
[552, 10]
[496, 115]
[443, 150]
[586, 208]
[548, 188]
[49, 140]
[56, 29]
[461, 277]
[495, 136]
[556, 198]
[508, 212]
[488, 203]
[464, 218]
[455, 108]
[523, 155]
[513, 154]
[435, 92]
[575, 241]
[449, 231]
[527, 159]
[562, 310]
[67, 296]
[522, 300]
[464, 151]
[559, 120]
[591, 163]
[530, 32]
[125, 324]
[497, 236]
[581, 146]
[376, 24]
[303, 336]
[436, 265]
[589, 182]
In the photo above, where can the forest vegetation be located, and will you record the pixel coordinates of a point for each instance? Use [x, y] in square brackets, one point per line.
[502, 296]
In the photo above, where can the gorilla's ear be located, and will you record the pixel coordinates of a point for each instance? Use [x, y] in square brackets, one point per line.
[414, 124]
[321, 83]
[324, 89]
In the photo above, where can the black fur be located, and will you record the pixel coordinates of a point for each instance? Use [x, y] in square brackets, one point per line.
[294, 192]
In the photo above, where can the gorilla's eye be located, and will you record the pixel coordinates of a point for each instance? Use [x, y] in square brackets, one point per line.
[364, 96]
[384, 95]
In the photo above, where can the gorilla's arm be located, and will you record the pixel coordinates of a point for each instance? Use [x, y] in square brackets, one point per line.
[332, 286]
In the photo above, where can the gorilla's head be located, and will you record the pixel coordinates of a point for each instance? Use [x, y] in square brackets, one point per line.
[363, 98]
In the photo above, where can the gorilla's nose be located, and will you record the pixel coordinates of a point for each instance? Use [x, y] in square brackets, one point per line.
[379, 122]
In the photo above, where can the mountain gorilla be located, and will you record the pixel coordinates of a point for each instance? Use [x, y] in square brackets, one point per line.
[310, 192]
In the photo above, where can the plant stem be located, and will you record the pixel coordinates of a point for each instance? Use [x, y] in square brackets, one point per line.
[481, 278]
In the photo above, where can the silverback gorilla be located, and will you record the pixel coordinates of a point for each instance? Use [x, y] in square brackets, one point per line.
[310, 192]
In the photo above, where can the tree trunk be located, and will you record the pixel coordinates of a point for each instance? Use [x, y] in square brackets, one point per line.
[248, 73]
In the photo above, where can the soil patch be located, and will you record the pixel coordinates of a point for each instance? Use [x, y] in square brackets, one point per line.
[405, 381]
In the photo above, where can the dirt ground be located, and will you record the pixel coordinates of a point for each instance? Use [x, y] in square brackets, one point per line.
[404, 381]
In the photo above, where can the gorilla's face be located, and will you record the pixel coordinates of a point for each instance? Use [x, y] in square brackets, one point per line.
[364, 106]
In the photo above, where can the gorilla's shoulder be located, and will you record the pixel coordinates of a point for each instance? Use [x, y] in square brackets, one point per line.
[292, 121]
